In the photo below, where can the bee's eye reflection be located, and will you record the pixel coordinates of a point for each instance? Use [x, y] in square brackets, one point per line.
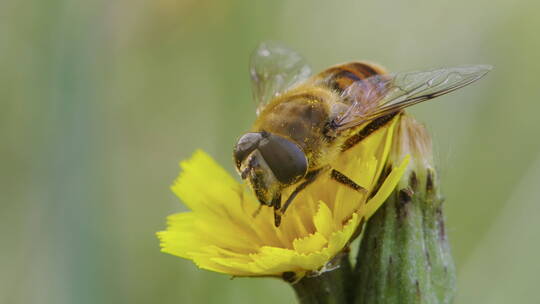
[246, 144]
[285, 158]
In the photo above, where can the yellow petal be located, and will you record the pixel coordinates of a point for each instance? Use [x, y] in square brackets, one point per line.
[323, 220]
[311, 243]
[387, 187]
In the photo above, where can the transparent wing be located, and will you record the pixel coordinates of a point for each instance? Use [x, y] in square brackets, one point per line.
[379, 95]
[274, 69]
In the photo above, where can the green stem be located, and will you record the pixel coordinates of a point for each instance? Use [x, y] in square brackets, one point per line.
[331, 287]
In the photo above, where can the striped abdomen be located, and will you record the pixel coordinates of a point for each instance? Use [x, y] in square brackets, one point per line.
[339, 78]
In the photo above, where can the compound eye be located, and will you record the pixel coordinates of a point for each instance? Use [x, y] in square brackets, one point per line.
[285, 158]
[245, 145]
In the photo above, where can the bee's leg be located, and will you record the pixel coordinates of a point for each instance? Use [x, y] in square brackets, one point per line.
[343, 179]
[256, 212]
[373, 126]
[276, 202]
[310, 177]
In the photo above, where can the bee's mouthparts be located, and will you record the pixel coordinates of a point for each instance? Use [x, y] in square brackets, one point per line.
[252, 162]
[245, 173]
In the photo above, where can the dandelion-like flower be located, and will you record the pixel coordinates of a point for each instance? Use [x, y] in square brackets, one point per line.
[223, 233]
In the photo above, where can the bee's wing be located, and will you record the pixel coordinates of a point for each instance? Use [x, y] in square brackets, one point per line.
[275, 68]
[379, 95]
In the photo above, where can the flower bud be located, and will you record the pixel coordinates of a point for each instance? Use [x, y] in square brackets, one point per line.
[404, 255]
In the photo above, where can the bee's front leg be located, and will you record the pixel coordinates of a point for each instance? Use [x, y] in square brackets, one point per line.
[310, 178]
[276, 203]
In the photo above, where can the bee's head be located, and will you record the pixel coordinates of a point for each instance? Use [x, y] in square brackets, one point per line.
[269, 162]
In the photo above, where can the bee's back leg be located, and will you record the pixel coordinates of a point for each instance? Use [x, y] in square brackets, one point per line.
[343, 179]
[373, 126]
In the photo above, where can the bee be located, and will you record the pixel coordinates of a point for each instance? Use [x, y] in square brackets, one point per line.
[304, 122]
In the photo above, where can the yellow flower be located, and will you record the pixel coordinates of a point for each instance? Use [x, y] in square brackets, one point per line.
[222, 234]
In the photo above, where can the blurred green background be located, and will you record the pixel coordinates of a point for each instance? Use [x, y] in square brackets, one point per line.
[101, 99]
